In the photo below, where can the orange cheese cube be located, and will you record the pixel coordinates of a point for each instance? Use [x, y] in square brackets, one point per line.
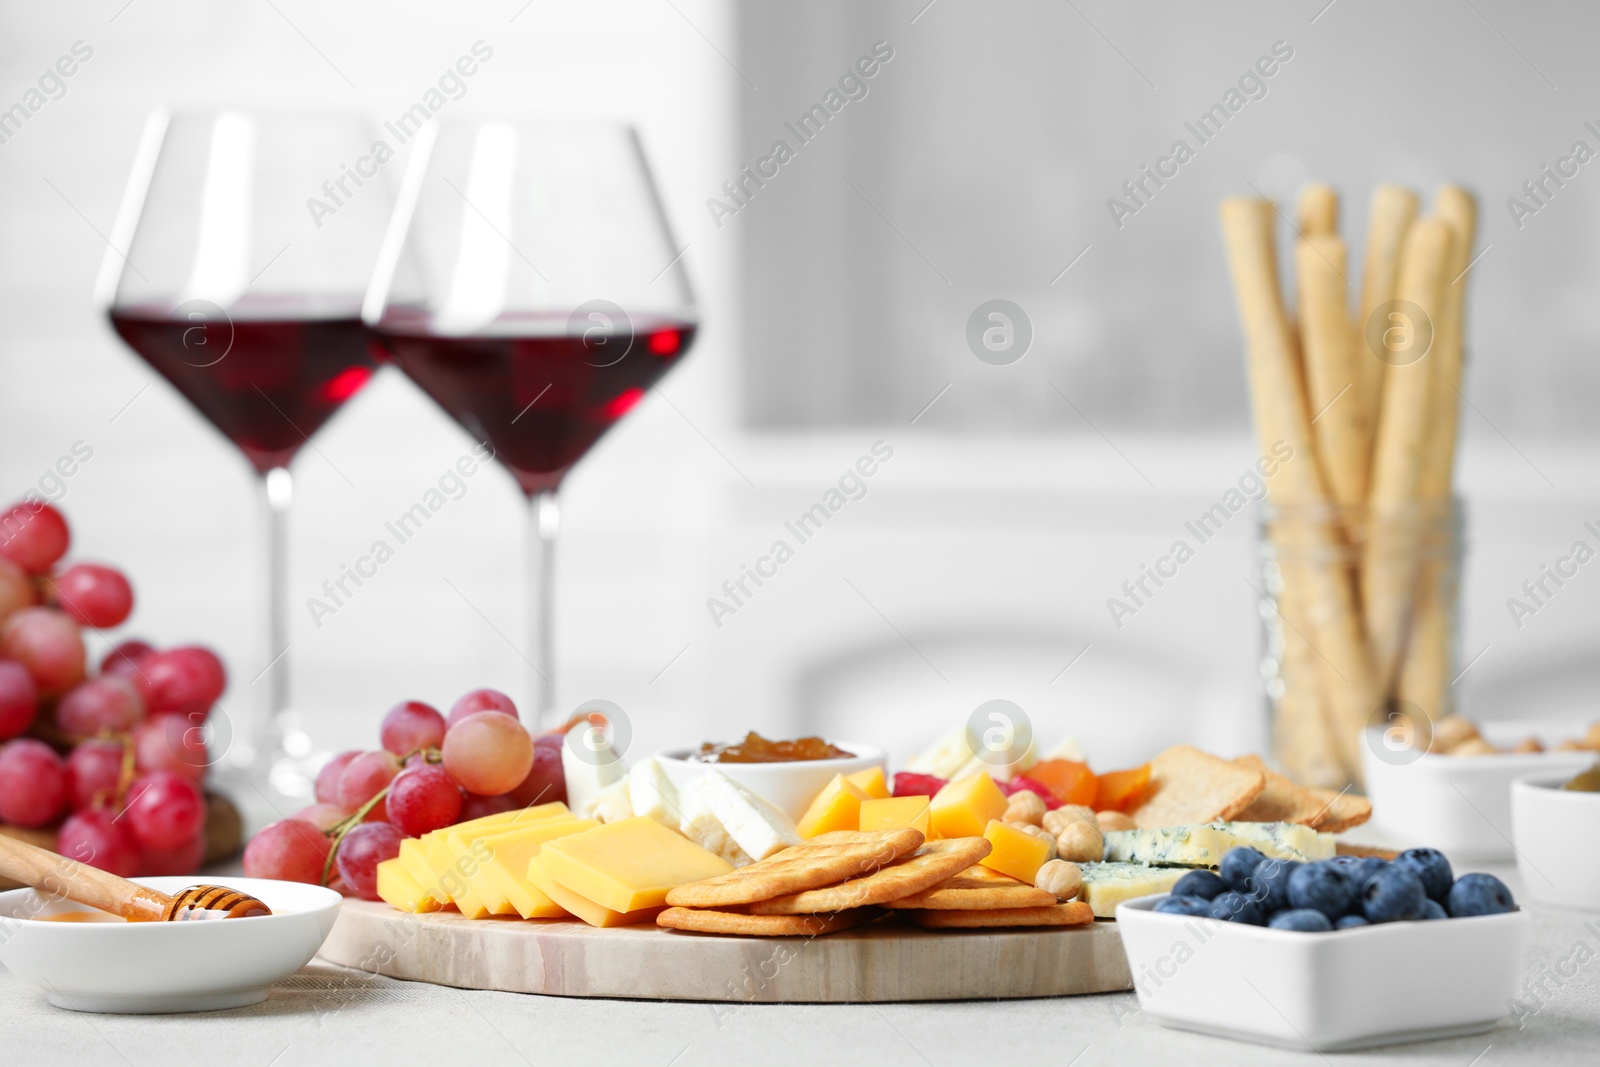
[505, 871]
[964, 807]
[584, 908]
[837, 807]
[1015, 853]
[398, 888]
[896, 813]
[629, 864]
[871, 782]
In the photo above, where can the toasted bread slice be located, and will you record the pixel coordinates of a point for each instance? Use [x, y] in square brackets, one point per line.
[1190, 786]
[1281, 800]
[1340, 811]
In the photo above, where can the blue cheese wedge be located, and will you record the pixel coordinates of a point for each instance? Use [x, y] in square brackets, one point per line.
[1204, 845]
[1105, 885]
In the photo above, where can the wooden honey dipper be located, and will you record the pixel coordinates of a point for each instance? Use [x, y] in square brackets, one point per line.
[58, 875]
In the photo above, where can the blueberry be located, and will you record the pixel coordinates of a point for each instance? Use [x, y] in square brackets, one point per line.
[1430, 865]
[1391, 895]
[1361, 868]
[1237, 865]
[1184, 906]
[1202, 884]
[1478, 894]
[1324, 887]
[1432, 909]
[1235, 907]
[1350, 922]
[1306, 919]
[1269, 884]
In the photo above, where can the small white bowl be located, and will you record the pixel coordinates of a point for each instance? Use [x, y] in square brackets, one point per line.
[791, 786]
[1557, 832]
[1348, 989]
[155, 967]
[1460, 805]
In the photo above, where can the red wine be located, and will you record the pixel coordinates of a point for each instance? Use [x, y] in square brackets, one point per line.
[539, 394]
[267, 382]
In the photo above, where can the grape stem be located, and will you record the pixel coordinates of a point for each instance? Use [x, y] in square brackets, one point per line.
[340, 829]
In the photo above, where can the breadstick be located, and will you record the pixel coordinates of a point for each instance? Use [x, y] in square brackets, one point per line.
[1302, 733]
[1318, 211]
[1393, 209]
[1308, 546]
[1326, 339]
[1389, 565]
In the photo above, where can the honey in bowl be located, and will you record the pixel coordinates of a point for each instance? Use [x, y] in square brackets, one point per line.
[82, 917]
[757, 749]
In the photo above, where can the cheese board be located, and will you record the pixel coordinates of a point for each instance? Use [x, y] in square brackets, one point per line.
[885, 961]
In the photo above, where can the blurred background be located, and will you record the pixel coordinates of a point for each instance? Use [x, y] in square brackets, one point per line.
[975, 164]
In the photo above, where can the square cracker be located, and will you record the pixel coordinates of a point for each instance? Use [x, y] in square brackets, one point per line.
[824, 860]
[711, 921]
[1281, 800]
[1340, 811]
[1190, 786]
[1073, 913]
[923, 869]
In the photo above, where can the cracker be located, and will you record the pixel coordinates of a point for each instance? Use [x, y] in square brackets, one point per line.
[973, 894]
[923, 869]
[709, 921]
[826, 859]
[1072, 913]
[1281, 800]
[1341, 811]
[1190, 787]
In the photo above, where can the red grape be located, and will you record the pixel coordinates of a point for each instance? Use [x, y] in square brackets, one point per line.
[33, 783]
[19, 699]
[186, 680]
[327, 789]
[164, 810]
[364, 778]
[100, 704]
[125, 657]
[95, 836]
[410, 726]
[912, 784]
[360, 853]
[546, 783]
[322, 816]
[33, 535]
[185, 858]
[291, 850]
[94, 769]
[93, 594]
[476, 807]
[423, 799]
[488, 753]
[16, 588]
[47, 643]
[481, 700]
[171, 743]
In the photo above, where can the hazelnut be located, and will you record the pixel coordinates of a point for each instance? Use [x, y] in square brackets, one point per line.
[1064, 816]
[1475, 746]
[1452, 731]
[1528, 744]
[1037, 831]
[1026, 807]
[1592, 738]
[1063, 879]
[1081, 842]
[1114, 820]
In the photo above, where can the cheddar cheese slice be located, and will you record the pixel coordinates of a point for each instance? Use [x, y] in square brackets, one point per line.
[505, 871]
[628, 865]
[398, 888]
[585, 909]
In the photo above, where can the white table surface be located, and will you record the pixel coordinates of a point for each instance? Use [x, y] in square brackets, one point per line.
[328, 1014]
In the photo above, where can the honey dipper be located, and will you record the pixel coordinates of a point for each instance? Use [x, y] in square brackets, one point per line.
[58, 875]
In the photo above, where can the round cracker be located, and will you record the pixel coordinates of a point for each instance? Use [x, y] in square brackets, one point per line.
[823, 860]
[1072, 913]
[961, 894]
[710, 921]
[929, 865]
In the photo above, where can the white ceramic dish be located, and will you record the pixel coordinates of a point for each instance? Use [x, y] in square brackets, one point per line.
[791, 786]
[1557, 832]
[1332, 992]
[154, 967]
[1460, 805]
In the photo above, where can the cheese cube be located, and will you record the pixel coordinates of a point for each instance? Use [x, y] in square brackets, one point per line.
[895, 813]
[871, 782]
[652, 794]
[837, 807]
[581, 906]
[398, 888]
[505, 872]
[963, 808]
[724, 817]
[628, 865]
[1013, 852]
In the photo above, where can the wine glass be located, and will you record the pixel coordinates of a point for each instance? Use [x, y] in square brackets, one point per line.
[249, 243]
[529, 284]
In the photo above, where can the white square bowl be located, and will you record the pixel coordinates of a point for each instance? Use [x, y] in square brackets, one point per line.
[1558, 841]
[1349, 989]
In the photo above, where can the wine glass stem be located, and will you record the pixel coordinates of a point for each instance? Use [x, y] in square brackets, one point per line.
[271, 734]
[546, 520]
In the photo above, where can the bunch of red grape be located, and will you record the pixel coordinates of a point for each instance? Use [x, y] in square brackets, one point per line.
[132, 735]
[431, 772]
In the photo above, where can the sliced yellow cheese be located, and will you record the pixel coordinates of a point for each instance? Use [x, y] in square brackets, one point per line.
[454, 869]
[505, 871]
[964, 807]
[837, 807]
[897, 813]
[585, 909]
[398, 888]
[871, 782]
[1013, 852]
[628, 865]
[413, 859]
